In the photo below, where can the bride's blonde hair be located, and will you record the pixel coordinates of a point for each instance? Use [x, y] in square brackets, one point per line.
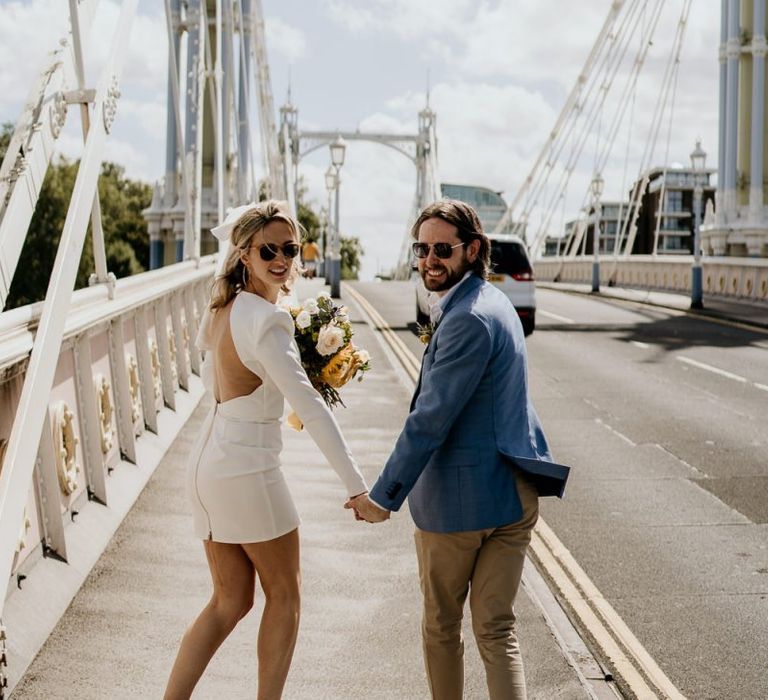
[233, 275]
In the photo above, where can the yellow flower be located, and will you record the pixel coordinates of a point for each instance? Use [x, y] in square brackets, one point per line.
[341, 367]
[294, 421]
[426, 332]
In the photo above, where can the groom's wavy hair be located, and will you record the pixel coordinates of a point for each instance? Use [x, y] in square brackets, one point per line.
[233, 274]
[465, 219]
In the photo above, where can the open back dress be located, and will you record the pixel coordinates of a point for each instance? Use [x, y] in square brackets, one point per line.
[235, 482]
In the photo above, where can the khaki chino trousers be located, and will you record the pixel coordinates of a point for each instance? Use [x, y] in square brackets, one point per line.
[487, 565]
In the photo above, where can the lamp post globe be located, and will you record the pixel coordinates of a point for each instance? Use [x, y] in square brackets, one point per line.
[698, 165]
[338, 151]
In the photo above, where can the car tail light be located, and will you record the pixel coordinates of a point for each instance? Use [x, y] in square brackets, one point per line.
[526, 276]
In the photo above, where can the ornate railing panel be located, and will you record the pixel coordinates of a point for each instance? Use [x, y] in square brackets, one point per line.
[106, 398]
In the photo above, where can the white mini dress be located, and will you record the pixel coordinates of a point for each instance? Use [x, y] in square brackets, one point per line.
[235, 483]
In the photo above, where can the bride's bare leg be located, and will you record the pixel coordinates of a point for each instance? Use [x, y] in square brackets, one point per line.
[277, 564]
[233, 583]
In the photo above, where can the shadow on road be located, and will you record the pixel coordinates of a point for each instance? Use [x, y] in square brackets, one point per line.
[667, 334]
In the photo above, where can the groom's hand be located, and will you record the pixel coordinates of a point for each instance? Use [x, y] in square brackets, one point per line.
[366, 510]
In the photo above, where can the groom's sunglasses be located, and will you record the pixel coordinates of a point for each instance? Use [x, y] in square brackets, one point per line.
[442, 250]
[269, 252]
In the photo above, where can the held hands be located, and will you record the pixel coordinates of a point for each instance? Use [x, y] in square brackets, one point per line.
[366, 510]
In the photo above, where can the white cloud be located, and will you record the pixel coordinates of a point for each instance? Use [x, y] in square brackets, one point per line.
[29, 31]
[404, 18]
[285, 40]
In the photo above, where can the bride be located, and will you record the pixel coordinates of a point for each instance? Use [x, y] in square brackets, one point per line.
[242, 509]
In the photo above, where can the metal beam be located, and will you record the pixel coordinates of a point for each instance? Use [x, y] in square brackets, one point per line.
[31, 149]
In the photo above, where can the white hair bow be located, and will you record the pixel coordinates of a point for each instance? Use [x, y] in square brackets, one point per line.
[224, 230]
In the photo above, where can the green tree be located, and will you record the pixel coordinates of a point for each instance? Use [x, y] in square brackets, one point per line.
[351, 254]
[125, 231]
[5, 138]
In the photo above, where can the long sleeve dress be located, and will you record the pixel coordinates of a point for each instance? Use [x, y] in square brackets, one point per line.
[235, 484]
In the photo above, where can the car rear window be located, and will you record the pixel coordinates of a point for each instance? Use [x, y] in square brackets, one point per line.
[509, 258]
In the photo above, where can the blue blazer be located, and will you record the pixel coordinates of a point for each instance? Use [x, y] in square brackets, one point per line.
[471, 422]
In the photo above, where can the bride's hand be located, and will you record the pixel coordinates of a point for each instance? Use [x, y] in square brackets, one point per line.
[366, 510]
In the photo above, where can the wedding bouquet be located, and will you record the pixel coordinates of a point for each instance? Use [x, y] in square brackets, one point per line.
[324, 336]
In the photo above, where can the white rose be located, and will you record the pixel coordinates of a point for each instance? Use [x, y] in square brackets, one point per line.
[362, 356]
[311, 306]
[303, 319]
[329, 339]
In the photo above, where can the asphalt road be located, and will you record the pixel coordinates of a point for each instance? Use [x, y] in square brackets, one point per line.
[664, 419]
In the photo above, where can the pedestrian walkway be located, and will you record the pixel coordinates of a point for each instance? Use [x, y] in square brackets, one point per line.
[742, 311]
[361, 604]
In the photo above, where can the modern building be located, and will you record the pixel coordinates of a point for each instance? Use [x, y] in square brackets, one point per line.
[489, 204]
[739, 223]
[665, 222]
[611, 214]
[554, 245]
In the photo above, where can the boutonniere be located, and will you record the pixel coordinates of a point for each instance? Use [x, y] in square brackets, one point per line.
[426, 332]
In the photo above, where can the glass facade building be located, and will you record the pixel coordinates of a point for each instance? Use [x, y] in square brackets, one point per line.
[489, 204]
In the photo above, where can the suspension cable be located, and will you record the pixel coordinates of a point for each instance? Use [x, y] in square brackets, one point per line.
[621, 108]
[661, 103]
[570, 104]
[560, 137]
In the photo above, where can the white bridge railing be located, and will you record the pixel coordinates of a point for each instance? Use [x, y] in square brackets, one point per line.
[742, 278]
[126, 364]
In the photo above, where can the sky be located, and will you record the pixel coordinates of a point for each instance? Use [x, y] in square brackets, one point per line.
[498, 73]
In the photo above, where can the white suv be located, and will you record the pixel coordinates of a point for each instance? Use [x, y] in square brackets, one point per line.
[511, 272]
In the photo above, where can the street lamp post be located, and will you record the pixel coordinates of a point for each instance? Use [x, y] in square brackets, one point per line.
[698, 164]
[597, 191]
[323, 229]
[330, 184]
[338, 150]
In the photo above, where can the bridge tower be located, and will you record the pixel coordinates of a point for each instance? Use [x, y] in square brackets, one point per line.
[739, 224]
[210, 156]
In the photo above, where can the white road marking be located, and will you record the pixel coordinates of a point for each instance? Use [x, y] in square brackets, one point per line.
[556, 317]
[615, 432]
[680, 459]
[639, 344]
[715, 370]
[761, 386]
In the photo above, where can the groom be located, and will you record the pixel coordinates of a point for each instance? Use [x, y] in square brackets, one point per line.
[472, 459]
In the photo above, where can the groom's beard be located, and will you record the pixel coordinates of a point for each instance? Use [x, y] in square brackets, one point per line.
[448, 279]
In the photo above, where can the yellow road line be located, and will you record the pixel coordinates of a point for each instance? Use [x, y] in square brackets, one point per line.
[410, 363]
[618, 644]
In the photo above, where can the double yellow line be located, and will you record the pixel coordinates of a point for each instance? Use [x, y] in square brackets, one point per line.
[618, 645]
[411, 365]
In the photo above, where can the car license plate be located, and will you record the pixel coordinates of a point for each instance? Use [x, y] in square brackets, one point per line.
[496, 278]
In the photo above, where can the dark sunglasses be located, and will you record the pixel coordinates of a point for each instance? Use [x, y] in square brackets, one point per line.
[442, 250]
[269, 252]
